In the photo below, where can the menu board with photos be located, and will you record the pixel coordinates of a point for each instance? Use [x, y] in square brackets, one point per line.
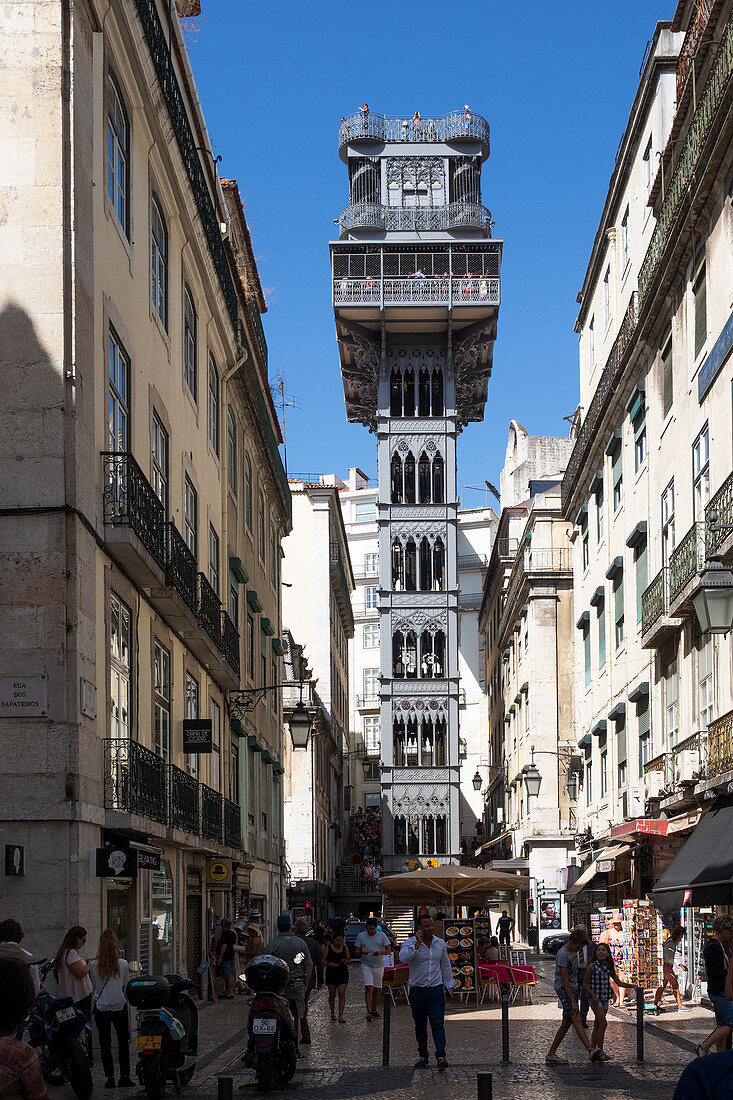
[460, 939]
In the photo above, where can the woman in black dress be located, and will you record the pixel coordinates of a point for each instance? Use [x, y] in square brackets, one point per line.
[336, 959]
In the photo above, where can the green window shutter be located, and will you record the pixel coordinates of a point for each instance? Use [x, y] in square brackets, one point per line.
[586, 651]
[601, 635]
[644, 718]
[618, 596]
[642, 576]
[701, 310]
[621, 742]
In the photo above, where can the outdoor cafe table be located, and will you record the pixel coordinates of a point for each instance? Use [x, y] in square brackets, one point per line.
[504, 973]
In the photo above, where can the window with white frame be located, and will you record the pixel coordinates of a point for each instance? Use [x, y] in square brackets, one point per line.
[161, 700]
[371, 563]
[119, 654]
[601, 626]
[618, 604]
[213, 559]
[584, 542]
[671, 701]
[190, 343]
[621, 751]
[213, 405]
[586, 652]
[372, 738]
[118, 401]
[371, 683]
[624, 241]
[668, 537]
[364, 511]
[371, 597]
[604, 771]
[701, 474]
[600, 516]
[588, 780]
[118, 155]
[192, 711]
[617, 476]
[160, 461]
[371, 636]
[215, 757]
[607, 297]
[645, 735]
[638, 425]
[159, 261]
[705, 683]
[641, 566]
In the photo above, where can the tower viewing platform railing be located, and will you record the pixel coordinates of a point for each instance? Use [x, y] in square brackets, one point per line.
[456, 215]
[432, 290]
[457, 126]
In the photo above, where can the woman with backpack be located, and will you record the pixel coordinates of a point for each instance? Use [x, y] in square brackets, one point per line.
[109, 976]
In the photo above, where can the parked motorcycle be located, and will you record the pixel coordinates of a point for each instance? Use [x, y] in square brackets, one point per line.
[55, 1027]
[271, 1049]
[168, 1031]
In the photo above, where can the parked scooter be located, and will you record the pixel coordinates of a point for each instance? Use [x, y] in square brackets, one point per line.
[168, 1031]
[271, 1050]
[55, 1027]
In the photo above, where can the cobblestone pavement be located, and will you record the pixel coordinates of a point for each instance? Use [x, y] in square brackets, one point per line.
[344, 1060]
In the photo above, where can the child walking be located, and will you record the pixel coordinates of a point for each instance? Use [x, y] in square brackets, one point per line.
[597, 984]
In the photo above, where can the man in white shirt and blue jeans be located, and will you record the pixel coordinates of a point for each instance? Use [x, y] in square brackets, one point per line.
[430, 975]
[371, 947]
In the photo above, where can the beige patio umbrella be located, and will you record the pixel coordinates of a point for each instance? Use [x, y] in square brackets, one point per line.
[448, 883]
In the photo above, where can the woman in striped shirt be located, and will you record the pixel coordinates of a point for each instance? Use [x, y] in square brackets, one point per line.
[597, 984]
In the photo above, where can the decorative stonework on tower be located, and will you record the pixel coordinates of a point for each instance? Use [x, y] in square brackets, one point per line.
[416, 291]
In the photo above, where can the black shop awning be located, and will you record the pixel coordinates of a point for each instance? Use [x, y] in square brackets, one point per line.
[704, 865]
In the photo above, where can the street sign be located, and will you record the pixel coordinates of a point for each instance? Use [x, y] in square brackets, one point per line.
[23, 696]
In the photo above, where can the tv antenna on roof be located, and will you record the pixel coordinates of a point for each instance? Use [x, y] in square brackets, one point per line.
[285, 401]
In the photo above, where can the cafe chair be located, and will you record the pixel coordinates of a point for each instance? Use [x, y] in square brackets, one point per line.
[396, 982]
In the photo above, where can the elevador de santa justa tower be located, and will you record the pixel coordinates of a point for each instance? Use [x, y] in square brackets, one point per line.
[416, 294]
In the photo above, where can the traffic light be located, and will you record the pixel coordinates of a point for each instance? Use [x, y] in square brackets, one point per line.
[530, 904]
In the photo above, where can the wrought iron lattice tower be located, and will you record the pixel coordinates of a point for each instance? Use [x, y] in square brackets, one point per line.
[416, 292]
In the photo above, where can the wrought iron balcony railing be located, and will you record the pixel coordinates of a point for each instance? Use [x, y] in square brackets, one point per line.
[602, 397]
[181, 571]
[131, 501]
[230, 642]
[482, 290]
[256, 319]
[134, 779]
[455, 126]
[369, 700]
[211, 813]
[364, 573]
[209, 611]
[337, 563]
[507, 548]
[721, 503]
[696, 28]
[232, 824]
[655, 600]
[160, 53]
[690, 153]
[183, 800]
[369, 215]
[686, 559]
[720, 745]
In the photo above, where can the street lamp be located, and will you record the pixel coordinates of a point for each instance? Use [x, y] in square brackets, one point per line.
[532, 779]
[300, 725]
[477, 781]
[299, 722]
[713, 597]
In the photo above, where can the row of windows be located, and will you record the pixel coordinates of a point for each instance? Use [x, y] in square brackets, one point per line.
[415, 835]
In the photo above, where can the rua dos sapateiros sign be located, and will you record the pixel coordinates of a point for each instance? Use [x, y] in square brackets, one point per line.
[198, 735]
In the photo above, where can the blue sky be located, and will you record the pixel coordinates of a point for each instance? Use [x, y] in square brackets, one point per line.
[554, 81]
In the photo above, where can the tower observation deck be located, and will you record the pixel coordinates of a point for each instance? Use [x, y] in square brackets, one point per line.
[416, 293]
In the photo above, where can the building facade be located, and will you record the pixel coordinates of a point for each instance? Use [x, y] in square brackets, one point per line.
[138, 425]
[527, 622]
[416, 295]
[649, 479]
[318, 584]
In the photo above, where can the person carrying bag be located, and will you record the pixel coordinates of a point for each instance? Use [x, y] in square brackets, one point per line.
[110, 975]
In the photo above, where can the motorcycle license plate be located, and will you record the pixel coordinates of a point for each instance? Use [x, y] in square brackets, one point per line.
[63, 1015]
[149, 1042]
[264, 1026]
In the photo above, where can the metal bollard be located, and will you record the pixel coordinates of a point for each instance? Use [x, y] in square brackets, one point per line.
[504, 1022]
[386, 1020]
[225, 1088]
[639, 1025]
[485, 1085]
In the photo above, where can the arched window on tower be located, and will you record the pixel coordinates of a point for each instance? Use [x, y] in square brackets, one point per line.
[409, 393]
[398, 654]
[432, 654]
[410, 566]
[398, 743]
[423, 479]
[395, 393]
[441, 835]
[396, 479]
[423, 404]
[428, 832]
[410, 655]
[411, 755]
[408, 479]
[426, 565]
[427, 743]
[413, 835]
[436, 380]
[438, 480]
[441, 758]
[398, 567]
[438, 566]
[400, 835]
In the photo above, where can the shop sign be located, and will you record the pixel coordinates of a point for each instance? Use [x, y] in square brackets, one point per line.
[219, 872]
[148, 861]
[193, 881]
[116, 862]
[605, 865]
[649, 826]
[23, 696]
[197, 735]
[14, 860]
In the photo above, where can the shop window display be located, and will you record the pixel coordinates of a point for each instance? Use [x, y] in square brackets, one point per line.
[163, 962]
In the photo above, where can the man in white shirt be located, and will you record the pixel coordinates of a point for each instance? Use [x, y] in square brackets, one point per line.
[430, 971]
[371, 947]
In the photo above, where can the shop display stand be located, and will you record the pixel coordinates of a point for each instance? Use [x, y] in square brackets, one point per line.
[642, 947]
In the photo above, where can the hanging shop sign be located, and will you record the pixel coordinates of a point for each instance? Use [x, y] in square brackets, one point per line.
[603, 866]
[651, 826]
[219, 873]
[115, 862]
[197, 735]
[147, 861]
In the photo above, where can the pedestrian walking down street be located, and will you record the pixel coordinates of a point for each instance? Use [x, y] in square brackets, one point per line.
[597, 986]
[566, 987]
[584, 957]
[371, 947]
[316, 978]
[20, 1069]
[717, 953]
[430, 975]
[669, 952]
[504, 927]
[336, 958]
[226, 958]
[109, 976]
[295, 952]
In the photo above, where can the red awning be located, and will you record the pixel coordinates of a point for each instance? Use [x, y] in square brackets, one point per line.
[645, 826]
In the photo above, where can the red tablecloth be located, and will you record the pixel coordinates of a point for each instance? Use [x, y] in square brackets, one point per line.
[503, 972]
[390, 971]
